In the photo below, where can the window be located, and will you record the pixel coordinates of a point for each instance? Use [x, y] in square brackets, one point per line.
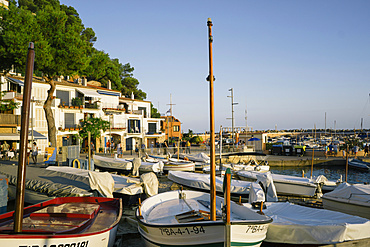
[176, 128]
[69, 120]
[152, 127]
[63, 96]
[143, 109]
[133, 126]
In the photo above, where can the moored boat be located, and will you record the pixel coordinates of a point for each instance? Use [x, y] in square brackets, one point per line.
[147, 165]
[178, 165]
[351, 199]
[299, 225]
[65, 221]
[182, 217]
[285, 184]
[112, 165]
[199, 181]
[359, 164]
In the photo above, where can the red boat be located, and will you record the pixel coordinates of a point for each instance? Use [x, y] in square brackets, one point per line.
[65, 222]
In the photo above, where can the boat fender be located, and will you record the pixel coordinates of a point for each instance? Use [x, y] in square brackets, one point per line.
[78, 163]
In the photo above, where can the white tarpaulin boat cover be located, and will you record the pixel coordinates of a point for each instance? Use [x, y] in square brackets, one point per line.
[256, 193]
[265, 179]
[102, 182]
[122, 184]
[296, 224]
[355, 193]
[147, 164]
[150, 183]
[200, 157]
[111, 164]
[136, 163]
[202, 182]
[50, 183]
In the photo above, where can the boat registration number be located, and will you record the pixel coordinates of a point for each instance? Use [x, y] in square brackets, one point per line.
[255, 228]
[78, 244]
[182, 231]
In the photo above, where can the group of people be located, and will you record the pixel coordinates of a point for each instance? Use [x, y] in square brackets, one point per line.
[334, 148]
[111, 146]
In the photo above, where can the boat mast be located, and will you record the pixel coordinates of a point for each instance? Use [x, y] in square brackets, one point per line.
[212, 124]
[21, 181]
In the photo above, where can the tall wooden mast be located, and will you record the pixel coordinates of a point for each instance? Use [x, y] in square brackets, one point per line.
[212, 124]
[21, 179]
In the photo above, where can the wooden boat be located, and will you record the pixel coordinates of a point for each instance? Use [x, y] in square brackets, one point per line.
[65, 221]
[359, 164]
[301, 226]
[182, 217]
[178, 165]
[351, 199]
[285, 184]
[111, 165]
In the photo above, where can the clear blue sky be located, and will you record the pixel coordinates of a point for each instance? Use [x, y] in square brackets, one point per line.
[288, 62]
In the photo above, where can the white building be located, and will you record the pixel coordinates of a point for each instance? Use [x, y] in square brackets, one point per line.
[131, 123]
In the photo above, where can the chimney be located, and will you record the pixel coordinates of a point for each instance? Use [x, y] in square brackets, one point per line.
[109, 84]
[84, 82]
[132, 95]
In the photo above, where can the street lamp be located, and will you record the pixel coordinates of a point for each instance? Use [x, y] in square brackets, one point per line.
[232, 114]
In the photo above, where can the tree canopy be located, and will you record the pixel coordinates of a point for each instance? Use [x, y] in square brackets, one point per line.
[93, 125]
[63, 46]
[154, 112]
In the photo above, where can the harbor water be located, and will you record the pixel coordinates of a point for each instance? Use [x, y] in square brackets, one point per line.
[331, 172]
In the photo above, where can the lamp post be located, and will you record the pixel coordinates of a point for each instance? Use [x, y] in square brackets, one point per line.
[232, 114]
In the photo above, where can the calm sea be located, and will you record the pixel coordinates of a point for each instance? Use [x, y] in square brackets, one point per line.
[331, 172]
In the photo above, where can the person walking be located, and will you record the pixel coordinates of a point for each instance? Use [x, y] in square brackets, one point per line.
[188, 147]
[34, 152]
[108, 146]
[366, 150]
[119, 150]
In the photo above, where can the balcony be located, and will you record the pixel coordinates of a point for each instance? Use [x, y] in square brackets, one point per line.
[154, 133]
[10, 120]
[94, 105]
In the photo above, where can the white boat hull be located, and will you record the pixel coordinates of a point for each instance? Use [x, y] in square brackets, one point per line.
[285, 184]
[351, 199]
[163, 229]
[283, 188]
[342, 205]
[203, 235]
[104, 239]
[179, 166]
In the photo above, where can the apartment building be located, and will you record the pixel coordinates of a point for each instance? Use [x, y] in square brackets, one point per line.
[130, 120]
[171, 126]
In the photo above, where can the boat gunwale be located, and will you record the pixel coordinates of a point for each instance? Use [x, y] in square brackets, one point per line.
[202, 223]
[46, 235]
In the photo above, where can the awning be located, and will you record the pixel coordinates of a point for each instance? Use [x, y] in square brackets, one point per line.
[16, 81]
[88, 92]
[16, 136]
